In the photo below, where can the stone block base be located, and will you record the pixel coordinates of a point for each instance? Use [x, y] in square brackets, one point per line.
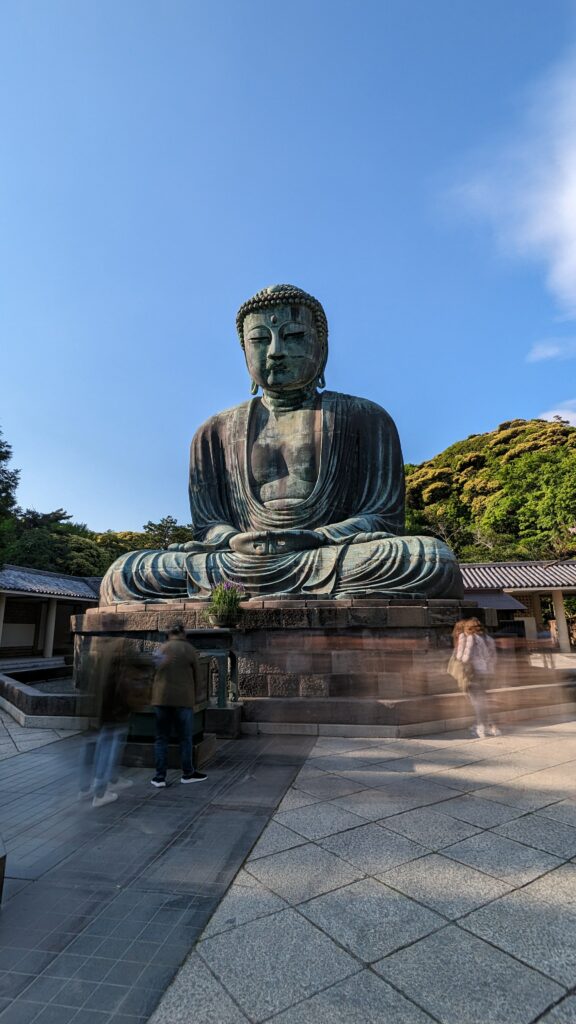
[373, 663]
[224, 722]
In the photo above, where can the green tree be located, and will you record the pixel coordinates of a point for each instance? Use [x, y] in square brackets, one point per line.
[166, 532]
[8, 481]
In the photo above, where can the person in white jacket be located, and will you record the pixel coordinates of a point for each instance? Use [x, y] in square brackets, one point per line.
[477, 650]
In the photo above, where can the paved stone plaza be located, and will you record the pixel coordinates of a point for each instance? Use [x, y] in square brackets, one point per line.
[403, 882]
[347, 880]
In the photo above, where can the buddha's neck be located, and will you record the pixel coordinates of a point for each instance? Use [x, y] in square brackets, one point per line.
[285, 401]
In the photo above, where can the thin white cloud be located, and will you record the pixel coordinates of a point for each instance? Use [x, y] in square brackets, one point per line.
[566, 410]
[527, 190]
[552, 348]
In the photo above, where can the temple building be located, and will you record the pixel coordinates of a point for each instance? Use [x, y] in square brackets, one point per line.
[35, 610]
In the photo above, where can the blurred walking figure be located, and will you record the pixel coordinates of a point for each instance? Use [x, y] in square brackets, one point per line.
[174, 698]
[476, 654]
[120, 680]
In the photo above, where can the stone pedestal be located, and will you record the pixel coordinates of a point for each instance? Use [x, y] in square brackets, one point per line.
[317, 665]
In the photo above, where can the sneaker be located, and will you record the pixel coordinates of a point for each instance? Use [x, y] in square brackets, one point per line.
[493, 730]
[122, 784]
[159, 781]
[106, 798]
[481, 732]
[193, 777]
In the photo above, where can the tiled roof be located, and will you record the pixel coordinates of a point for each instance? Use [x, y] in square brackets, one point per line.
[503, 602]
[49, 584]
[548, 575]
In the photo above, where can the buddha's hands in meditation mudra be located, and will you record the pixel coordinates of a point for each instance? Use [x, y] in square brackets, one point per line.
[276, 542]
[269, 542]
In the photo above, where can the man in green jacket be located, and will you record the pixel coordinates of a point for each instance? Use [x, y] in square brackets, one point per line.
[174, 698]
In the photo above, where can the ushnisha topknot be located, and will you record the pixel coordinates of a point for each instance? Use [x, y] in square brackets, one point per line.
[283, 295]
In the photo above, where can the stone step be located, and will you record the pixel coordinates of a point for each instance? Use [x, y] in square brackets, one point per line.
[399, 711]
[23, 664]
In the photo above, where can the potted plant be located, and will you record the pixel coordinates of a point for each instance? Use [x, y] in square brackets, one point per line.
[224, 607]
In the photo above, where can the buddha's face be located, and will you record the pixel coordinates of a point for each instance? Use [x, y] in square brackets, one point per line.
[283, 351]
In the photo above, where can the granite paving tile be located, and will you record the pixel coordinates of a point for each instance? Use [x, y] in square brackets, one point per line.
[474, 776]
[319, 820]
[196, 994]
[430, 827]
[372, 848]
[397, 795]
[503, 858]
[360, 999]
[522, 794]
[296, 798]
[543, 833]
[369, 919]
[557, 887]
[483, 813]
[340, 764]
[303, 873]
[326, 786]
[461, 979]
[564, 811]
[535, 932]
[444, 885]
[375, 777]
[337, 745]
[270, 964]
[563, 1013]
[241, 904]
[373, 804]
[274, 839]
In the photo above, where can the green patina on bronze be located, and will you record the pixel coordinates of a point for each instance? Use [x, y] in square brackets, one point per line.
[299, 492]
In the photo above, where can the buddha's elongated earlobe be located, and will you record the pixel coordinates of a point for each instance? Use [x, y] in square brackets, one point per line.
[321, 382]
[253, 387]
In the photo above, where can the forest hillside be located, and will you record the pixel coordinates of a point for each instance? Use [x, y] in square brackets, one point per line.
[507, 494]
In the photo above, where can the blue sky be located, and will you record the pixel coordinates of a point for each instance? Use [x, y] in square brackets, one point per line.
[410, 162]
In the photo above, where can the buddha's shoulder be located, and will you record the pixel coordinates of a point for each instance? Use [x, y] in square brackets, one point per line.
[222, 420]
[355, 406]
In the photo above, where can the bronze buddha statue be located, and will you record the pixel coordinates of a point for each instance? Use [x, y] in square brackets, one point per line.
[297, 493]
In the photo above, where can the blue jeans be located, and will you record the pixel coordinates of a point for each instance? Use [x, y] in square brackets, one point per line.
[101, 757]
[182, 720]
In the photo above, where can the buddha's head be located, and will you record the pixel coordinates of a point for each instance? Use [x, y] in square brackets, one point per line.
[284, 333]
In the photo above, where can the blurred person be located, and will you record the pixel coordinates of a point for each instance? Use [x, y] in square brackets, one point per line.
[174, 699]
[120, 680]
[457, 631]
[476, 653]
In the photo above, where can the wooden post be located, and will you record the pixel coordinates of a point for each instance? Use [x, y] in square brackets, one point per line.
[561, 624]
[50, 627]
[2, 610]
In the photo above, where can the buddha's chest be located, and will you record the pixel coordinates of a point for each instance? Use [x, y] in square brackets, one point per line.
[284, 455]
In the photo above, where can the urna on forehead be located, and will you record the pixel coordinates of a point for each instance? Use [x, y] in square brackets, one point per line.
[285, 300]
[279, 315]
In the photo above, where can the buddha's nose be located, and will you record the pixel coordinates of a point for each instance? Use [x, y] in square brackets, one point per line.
[276, 347]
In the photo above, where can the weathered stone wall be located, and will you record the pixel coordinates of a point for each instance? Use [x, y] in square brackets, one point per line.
[294, 648]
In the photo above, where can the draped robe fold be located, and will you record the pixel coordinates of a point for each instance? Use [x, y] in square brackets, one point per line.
[359, 492]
